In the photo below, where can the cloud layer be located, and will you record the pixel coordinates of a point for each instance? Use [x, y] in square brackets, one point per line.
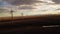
[56, 1]
[26, 2]
[20, 2]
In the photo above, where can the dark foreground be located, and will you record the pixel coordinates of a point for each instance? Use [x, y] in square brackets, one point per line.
[30, 25]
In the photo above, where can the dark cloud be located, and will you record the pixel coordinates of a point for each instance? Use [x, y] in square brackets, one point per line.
[28, 2]
[56, 1]
[19, 2]
[26, 7]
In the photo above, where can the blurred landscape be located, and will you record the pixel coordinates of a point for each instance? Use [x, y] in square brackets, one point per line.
[28, 7]
[27, 16]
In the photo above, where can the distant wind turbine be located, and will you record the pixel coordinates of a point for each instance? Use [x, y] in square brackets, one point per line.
[11, 14]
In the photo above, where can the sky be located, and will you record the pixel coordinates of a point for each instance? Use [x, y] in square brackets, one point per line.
[30, 7]
[28, 2]
[4, 3]
[17, 2]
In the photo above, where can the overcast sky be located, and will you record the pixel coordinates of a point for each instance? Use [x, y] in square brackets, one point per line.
[25, 2]
[19, 2]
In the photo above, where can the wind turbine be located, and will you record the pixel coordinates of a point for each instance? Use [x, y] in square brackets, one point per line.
[11, 14]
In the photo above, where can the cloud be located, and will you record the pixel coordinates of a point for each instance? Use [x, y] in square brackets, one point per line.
[56, 1]
[28, 2]
[48, 1]
[20, 2]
